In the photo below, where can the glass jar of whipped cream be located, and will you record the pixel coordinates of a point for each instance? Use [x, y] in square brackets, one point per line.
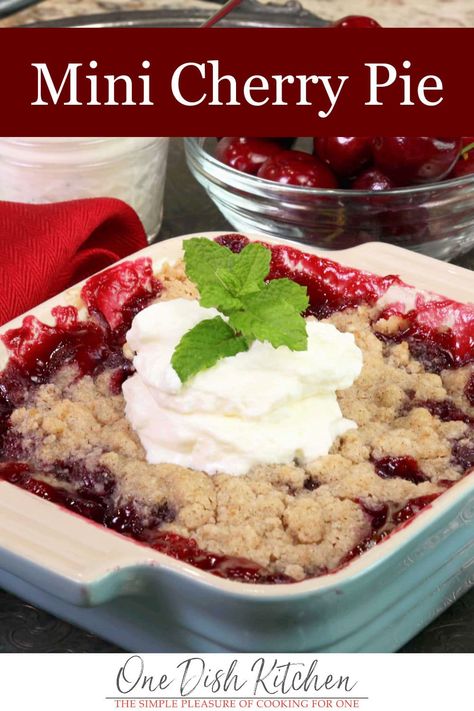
[44, 170]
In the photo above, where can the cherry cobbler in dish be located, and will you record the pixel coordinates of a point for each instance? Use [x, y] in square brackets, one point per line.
[65, 434]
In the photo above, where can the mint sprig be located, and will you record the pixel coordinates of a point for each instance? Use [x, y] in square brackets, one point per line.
[235, 285]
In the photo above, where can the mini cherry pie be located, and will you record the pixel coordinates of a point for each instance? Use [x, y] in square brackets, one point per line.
[64, 435]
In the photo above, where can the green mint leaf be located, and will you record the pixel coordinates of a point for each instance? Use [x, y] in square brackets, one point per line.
[203, 259]
[274, 315]
[221, 276]
[229, 281]
[251, 268]
[289, 292]
[205, 344]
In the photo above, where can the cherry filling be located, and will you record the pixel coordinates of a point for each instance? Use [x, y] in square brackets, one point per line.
[127, 521]
[331, 286]
[435, 349]
[436, 346]
[446, 410]
[463, 455]
[98, 483]
[384, 522]
[311, 484]
[234, 242]
[377, 513]
[403, 467]
[114, 297]
[187, 550]
[18, 473]
[38, 351]
[413, 507]
[119, 293]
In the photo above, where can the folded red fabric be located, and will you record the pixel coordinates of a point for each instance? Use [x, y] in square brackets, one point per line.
[46, 248]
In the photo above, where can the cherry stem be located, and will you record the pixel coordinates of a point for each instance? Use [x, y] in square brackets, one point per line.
[222, 12]
[466, 150]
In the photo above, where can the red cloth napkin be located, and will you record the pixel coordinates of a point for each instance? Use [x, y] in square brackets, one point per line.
[46, 248]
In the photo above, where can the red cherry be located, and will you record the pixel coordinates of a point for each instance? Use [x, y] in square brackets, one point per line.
[372, 179]
[345, 155]
[246, 154]
[356, 22]
[411, 161]
[298, 168]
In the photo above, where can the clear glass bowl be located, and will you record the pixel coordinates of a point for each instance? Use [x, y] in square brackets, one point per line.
[435, 219]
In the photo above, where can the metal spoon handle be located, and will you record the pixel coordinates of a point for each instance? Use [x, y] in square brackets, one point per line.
[222, 12]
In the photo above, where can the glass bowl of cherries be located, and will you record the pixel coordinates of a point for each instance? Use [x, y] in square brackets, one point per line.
[336, 192]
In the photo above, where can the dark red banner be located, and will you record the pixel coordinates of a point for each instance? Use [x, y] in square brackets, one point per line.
[174, 82]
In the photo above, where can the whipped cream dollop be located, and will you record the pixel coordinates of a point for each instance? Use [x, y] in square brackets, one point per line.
[265, 405]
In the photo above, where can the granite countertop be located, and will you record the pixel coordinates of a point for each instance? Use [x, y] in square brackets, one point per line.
[403, 13]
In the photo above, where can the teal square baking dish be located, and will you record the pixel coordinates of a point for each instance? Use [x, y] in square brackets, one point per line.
[144, 600]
